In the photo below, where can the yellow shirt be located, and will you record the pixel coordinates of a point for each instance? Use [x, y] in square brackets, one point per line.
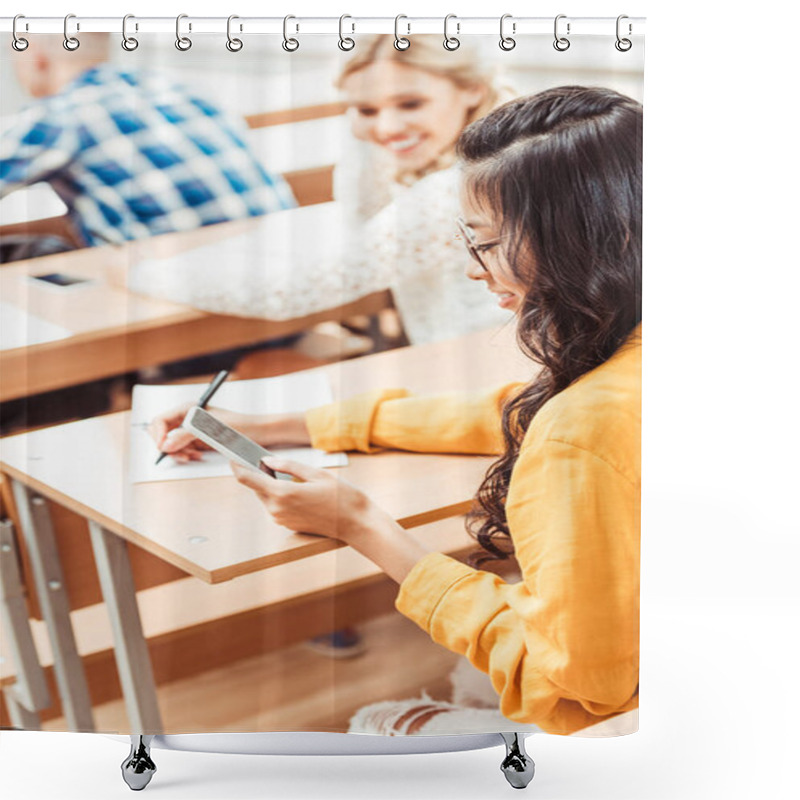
[562, 646]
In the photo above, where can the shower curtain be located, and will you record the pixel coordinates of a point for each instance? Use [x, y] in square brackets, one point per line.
[339, 229]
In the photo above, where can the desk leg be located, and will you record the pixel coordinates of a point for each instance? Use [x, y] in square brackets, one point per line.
[29, 694]
[22, 719]
[130, 646]
[37, 530]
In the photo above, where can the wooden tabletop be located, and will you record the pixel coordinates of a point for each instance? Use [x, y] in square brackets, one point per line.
[216, 529]
[114, 331]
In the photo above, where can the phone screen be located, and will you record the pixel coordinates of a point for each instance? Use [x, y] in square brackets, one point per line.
[228, 441]
[59, 279]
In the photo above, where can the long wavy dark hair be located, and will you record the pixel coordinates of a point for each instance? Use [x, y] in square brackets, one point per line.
[562, 173]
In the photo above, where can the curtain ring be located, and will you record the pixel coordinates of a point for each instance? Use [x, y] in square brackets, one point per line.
[18, 43]
[71, 43]
[129, 43]
[623, 45]
[183, 43]
[561, 43]
[506, 42]
[233, 44]
[400, 42]
[345, 42]
[289, 44]
[451, 42]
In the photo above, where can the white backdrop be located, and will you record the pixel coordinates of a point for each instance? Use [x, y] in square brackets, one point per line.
[720, 607]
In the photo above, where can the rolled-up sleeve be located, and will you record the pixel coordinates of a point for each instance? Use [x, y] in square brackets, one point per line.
[458, 422]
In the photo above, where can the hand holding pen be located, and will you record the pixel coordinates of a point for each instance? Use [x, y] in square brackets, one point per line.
[218, 380]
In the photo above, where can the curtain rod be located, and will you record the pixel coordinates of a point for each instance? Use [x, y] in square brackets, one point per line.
[405, 25]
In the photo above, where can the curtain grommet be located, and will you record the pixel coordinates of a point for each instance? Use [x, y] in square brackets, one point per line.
[623, 44]
[401, 43]
[71, 43]
[560, 43]
[129, 43]
[289, 43]
[346, 43]
[19, 43]
[507, 43]
[182, 43]
[233, 44]
[451, 43]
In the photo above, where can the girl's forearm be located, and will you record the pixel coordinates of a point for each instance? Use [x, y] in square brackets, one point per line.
[384, 542]
[373, 532]
[271, 429]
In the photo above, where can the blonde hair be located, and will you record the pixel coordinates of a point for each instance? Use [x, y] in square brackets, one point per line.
[464, 67]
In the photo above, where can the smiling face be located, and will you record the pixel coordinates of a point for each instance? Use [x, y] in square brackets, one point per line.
[484, 230]
[414, 115]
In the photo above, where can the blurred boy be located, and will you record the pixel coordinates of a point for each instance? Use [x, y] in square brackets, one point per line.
[130, 153]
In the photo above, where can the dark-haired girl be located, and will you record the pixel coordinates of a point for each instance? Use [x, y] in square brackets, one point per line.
[551, 202]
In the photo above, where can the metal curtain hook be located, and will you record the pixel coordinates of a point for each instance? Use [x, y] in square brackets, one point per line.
[183, 43]
[233, 44]
[561, 43]
[70, 42]
[506, 42]
[451, 42]
[345, 42]
[289, 44]
[623, 45]
[18, 43]
[400, 42]
[129, 43]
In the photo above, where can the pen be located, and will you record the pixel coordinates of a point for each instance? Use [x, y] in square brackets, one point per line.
[205, 399]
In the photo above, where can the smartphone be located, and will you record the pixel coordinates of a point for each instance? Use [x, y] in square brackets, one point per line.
[232, 444]
[59, 279]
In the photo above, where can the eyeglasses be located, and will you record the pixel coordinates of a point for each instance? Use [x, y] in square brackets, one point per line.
[475, 248]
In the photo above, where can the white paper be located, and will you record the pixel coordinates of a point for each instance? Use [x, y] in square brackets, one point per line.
[20, 329]
[283, 394]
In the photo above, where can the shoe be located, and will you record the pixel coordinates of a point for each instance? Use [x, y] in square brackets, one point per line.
[399, 717]
[344, 643]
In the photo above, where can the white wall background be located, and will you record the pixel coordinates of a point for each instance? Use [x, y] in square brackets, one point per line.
[720, 603]
[271, 79]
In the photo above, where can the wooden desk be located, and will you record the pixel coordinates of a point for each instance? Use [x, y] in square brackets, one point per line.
[83, 466]
[115, 331]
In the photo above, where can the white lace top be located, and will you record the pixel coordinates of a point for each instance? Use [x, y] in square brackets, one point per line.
[379, 235]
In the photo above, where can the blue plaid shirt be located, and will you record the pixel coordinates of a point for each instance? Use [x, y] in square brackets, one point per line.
[133, 154]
